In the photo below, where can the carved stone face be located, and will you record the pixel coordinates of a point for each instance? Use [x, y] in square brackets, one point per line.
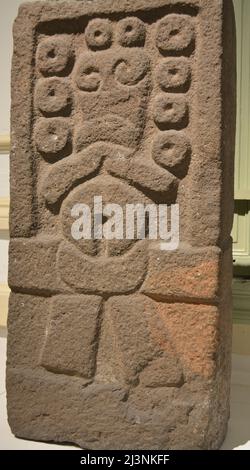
[114, 101]
[112, 84]
[112, 92]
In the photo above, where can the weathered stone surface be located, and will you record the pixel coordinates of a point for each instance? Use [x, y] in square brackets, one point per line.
[42, 278]
[116, 344]
[71, 344]
[185, 275]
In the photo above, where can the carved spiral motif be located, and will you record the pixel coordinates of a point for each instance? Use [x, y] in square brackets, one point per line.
[131, 67]
[87, 75]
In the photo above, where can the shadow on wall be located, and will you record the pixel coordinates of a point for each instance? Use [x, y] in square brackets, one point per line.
[238, 436]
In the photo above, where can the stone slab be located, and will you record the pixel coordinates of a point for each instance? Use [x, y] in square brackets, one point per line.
[116, 344]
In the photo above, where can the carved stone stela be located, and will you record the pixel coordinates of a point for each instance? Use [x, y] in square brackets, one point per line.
[116, 344]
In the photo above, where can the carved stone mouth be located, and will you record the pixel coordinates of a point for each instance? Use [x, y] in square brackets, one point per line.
[111, 128]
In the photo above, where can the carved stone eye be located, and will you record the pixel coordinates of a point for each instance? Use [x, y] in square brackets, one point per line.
[51, 136]
[171, 150]
[53, 56]
[99, 34]
[174, 74]
[52, 95]
[175, 33]
[87, 74]
[131, 67]
[131, 32]
[170, 111]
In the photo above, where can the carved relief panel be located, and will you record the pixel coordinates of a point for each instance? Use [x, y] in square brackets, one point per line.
[120, 104]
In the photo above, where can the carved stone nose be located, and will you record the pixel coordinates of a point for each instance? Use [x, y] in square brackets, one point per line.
[114, 93]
